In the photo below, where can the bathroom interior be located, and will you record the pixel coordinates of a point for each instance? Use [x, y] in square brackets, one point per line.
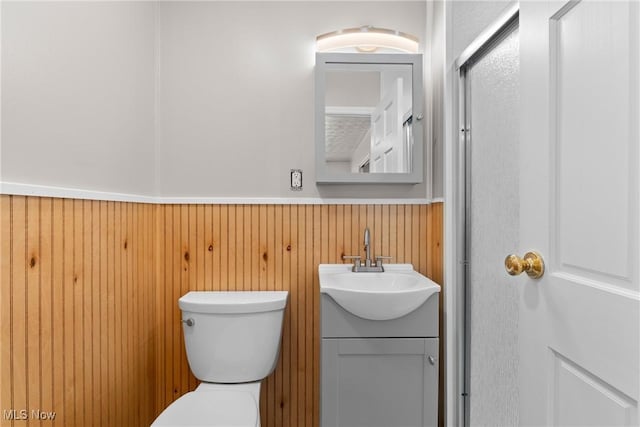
[169, 166]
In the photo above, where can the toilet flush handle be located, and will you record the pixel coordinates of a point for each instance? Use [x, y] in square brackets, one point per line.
[189, 321]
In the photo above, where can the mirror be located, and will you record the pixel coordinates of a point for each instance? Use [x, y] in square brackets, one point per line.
[368, 118]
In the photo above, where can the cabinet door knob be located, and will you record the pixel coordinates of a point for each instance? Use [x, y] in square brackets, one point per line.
[432, 360]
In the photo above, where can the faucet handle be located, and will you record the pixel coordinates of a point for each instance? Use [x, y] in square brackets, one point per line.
[380, 258]
[357, 259]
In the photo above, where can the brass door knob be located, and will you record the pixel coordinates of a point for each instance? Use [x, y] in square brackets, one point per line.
[532, 263]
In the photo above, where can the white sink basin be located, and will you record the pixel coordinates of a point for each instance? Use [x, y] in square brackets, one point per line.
[376, 296]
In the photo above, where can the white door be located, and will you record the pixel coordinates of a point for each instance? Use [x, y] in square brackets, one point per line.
[579, 160]
[386, 138]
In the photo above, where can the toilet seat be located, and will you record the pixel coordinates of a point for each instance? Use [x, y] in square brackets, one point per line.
[211, 408]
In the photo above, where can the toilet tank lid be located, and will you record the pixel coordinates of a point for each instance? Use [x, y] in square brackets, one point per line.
[233, 302]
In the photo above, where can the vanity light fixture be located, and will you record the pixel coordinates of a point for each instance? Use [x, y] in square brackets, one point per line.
[367, 39]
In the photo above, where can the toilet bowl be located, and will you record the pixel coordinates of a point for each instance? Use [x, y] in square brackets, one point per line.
[226, 405]
[232, 341]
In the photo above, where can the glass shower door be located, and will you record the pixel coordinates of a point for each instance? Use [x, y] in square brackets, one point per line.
[491, 104]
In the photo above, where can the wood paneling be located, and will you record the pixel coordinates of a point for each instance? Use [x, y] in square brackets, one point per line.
[267, 247]
[90, 325]
[77, 320]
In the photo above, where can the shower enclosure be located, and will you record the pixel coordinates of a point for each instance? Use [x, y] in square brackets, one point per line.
[488, 135]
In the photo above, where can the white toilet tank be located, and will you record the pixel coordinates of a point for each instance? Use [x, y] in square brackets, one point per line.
[232, 337]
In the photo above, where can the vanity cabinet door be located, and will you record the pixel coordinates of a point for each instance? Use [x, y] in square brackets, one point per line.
[379, 382]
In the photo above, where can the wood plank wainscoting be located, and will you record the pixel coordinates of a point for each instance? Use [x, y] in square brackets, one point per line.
[76, 311]
[89, 314]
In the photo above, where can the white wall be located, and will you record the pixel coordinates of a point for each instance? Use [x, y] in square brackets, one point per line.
[78, 95]
[435, 92]
[206, 99]
[236, 94]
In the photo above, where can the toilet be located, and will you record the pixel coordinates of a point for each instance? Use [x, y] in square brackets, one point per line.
[232, 341]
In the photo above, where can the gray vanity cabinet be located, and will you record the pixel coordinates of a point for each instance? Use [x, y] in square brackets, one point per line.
[379, 382]
[384, 379]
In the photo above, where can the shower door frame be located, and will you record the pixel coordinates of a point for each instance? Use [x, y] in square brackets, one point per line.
[458, 214]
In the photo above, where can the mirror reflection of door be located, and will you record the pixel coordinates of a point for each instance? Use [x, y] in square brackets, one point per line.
[368, 116]
[386, 140]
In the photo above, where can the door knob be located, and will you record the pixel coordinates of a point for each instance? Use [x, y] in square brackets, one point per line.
[532, 263]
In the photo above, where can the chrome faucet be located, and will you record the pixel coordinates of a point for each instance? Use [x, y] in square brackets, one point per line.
[367, 247]
[368, 265]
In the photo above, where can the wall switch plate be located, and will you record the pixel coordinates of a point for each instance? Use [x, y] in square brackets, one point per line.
[296, 179]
